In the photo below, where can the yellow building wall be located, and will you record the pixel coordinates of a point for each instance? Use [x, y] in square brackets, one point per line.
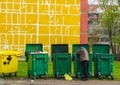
[39, 21]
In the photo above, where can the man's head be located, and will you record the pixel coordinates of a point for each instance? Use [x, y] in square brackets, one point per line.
[81, 48]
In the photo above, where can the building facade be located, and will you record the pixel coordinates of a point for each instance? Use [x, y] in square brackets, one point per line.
[39, 21]
[94, 21]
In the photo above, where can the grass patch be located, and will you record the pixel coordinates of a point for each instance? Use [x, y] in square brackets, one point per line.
[116, 70]
[22, 70]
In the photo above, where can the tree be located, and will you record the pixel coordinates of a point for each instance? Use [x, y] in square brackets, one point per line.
[110, 20]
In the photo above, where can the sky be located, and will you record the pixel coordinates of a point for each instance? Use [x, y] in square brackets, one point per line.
[93, 2]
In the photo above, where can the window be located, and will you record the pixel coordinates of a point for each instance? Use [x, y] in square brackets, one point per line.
[104, 39]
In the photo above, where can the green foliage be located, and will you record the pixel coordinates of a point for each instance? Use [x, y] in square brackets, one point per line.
[119, 1]
[117, 39]
[109, 17]
[110, 21]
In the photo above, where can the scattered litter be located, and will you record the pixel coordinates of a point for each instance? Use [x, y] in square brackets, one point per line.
[32, 81]
[67, 77]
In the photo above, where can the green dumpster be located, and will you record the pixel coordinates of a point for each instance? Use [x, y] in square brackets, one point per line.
[77, 65]
[103, 61]
[61, 64]
[37, 61]
[103, 65]
[61, 59]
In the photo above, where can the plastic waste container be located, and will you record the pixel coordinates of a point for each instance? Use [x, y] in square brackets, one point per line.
[37, 60]
[8, 62]
[103, 61]
[77, 65]
[61, 64]
[37, 64]
[103, 65]
[61, 59]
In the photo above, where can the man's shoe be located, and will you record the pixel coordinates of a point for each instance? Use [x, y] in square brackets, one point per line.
[85, 79]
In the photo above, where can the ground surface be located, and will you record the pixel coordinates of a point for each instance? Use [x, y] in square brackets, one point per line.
[22, 81]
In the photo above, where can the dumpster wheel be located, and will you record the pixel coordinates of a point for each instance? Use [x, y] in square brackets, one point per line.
[3, 75]
[99, 75]
[15, 74]
[34, 78]
[28, 75]
[76, 76]
[39, 76]
[46, 74]
[111, 75]
[10, 74]
[112, 78]
[95, 76]
[56, 76]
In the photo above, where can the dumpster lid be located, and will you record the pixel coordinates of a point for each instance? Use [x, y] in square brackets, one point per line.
[8, 52]
[33, 47]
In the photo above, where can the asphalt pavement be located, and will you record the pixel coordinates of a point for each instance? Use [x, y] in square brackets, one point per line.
[56, 82]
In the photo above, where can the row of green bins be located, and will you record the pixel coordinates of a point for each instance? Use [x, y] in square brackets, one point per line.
[103, 61]
[37, 60]
[77, 65]
[61, 60]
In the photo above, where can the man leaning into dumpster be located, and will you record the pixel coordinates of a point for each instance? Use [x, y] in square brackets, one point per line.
[84, 60]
